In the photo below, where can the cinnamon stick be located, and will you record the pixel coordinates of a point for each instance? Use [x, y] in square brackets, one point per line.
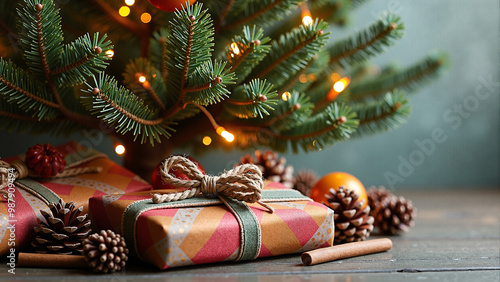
[51, 260]
[346, 251]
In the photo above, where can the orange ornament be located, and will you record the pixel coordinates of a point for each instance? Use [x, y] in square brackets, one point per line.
[335, 180]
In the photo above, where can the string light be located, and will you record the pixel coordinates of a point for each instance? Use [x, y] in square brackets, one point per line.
[234, 50]
[142, 79]
[124, 11]
[306, 14]
[225, 134]
[207, 140]
[110, 53]
[145, 17]
[120, 149]
[130, 2]
[338, 87]
[286, 96]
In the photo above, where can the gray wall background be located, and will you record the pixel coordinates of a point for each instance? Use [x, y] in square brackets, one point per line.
[462, 106]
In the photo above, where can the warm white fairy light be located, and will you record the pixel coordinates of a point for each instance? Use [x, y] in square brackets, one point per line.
[225, 134]
[286, 96]
[129, 2]
[142, 79]
[207, 140]
[145, 17]
[120, 149]
[340, 85]
[307, 20]
[124, 11]
[110, 53]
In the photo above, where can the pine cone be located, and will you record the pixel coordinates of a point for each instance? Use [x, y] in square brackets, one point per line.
[62, 231]
[394, 215]
[376, 195]
[45, 160]
[352, 222]
[304, 181]
[105, 251]
[273, 169]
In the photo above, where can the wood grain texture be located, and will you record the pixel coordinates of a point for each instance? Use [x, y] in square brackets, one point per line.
[456, 238]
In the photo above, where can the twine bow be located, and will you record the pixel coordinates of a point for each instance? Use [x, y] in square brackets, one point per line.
[243, 183]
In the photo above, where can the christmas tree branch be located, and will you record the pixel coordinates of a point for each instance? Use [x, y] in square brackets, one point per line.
[152, 93]
[28, 94]
[224, 14]
[287, 55]
[405, 79]
[129, 115]
[392, 26]
[97, 50]
[207, 85]
[84, 119]
[338, 122]
[252, 17]
[381, 116]
[293, 80]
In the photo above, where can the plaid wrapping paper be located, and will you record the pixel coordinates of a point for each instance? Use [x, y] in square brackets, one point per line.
[207, 231]
[113, 179]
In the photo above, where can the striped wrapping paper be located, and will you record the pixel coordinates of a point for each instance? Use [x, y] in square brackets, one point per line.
[33, 195]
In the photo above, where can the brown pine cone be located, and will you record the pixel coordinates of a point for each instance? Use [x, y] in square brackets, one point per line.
[273, 168]
[45, 160]
[393, 215]
[62, 231]
[105, 251]
[352, 222]
[304, 181]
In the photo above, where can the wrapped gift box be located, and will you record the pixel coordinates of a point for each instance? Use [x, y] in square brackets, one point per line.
[32, 195]
[202, 230]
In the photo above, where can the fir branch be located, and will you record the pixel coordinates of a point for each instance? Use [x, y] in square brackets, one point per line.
[385, 32]
[25, 93]
[252, 48]
[290, 112]
[252, 100]
[207, 84]
[291, 53]
[258, 11]
[382, 115]
[408, 79]
[124, 111]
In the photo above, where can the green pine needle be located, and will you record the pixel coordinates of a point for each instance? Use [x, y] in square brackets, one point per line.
[124, 111]
[408, 79]
[204, 78]
[382, 115]
[249, 52]
[246, 100]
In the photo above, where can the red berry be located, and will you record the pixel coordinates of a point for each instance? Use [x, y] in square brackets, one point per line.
[45, 160]
[158, 183]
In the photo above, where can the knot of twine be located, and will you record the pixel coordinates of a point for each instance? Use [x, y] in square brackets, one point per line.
[243, 183]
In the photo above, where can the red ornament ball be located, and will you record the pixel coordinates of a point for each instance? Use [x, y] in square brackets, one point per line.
[45, 160]
[158, 183]
[169, 5]
[333, 181]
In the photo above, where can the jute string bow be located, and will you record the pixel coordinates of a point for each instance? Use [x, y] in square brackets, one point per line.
[243, 183]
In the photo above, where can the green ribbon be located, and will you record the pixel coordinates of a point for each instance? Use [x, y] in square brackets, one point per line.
[249, 225]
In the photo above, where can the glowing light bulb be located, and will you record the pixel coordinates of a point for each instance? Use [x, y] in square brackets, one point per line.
[340, 85]
[286, 96]
[235, 48]
[307, 20]
[130, 2]
[110, 53]
[142, 79]
[207, 140]
[124, 11]
[120, 149]
[145, 17]
[224, 133]
[228, 136]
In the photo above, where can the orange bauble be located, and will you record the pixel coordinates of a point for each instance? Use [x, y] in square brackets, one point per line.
[335, 180]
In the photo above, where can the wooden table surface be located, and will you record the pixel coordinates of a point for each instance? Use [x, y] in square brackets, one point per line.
[456, 238]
